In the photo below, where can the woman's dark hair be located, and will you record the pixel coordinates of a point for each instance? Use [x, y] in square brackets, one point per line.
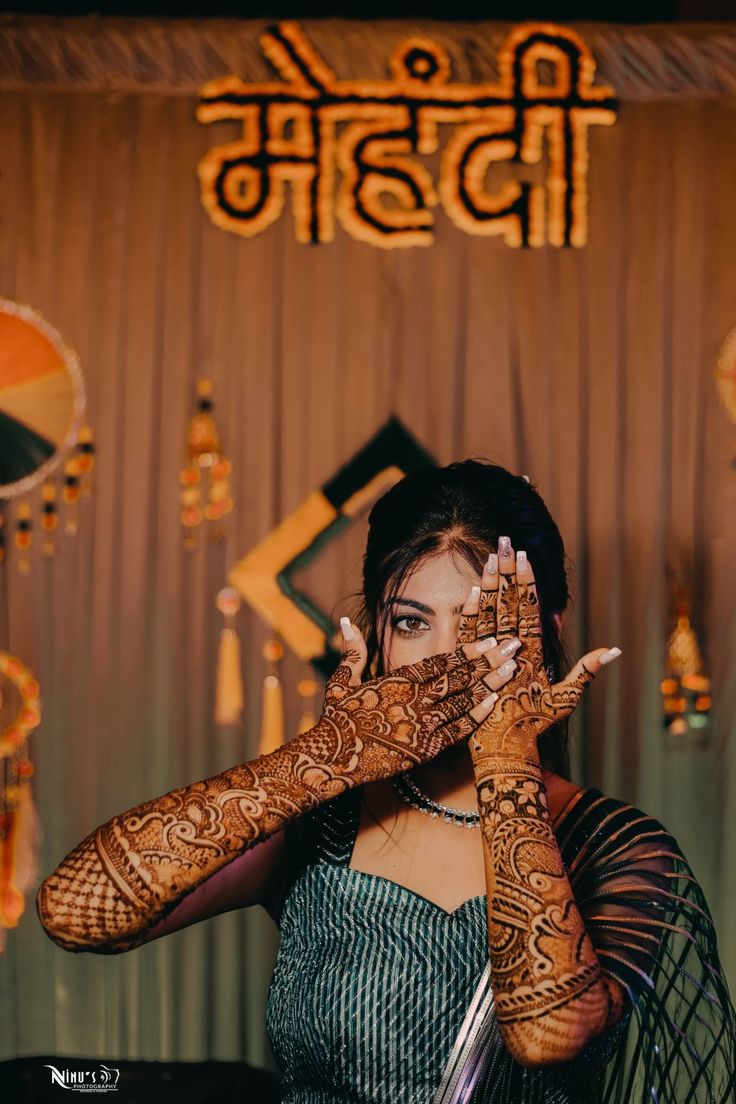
[463, 508]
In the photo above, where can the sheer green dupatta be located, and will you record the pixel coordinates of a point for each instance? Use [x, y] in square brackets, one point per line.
[653, 932]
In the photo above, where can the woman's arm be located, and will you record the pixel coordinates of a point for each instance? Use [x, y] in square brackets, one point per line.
[552, 996]
[133, 871]
[253, 878]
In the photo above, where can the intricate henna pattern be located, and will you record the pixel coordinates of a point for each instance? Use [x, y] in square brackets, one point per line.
[551, 994]
[132, 871]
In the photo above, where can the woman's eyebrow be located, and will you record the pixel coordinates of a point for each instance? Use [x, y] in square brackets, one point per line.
[420, 606]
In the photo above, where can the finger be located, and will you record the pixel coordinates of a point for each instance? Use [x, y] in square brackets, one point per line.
[467, 629]
[482, 711]
[454, 732]
[495, 653]
[355, 653]
[453, 706]
[486, 624]
[530, 623]
[507, 608]
[567, 694]
[459, 674]
[425, 670]
[498, 678]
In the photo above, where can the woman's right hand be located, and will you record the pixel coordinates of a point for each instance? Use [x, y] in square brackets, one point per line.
[379, 728]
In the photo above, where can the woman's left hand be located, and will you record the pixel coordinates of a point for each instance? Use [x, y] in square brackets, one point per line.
[508, 609]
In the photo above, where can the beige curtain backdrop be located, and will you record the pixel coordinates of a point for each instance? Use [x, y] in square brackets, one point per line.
[590, 370]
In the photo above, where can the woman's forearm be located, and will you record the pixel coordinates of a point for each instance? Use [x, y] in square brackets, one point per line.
[550, 992]
[133, 870]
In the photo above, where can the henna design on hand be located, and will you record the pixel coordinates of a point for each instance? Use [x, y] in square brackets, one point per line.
[134, 869]
[551, 994]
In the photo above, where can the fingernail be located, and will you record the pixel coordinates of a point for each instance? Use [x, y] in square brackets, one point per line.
[475, 592]
[488, 702]
[507, 667]
[348, 632]
[520, 561]
[510, 647]
[486, 645]
[492, 565]
[609, 656]
[504, 548]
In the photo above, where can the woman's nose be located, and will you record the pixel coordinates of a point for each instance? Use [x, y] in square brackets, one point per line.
[447, 635]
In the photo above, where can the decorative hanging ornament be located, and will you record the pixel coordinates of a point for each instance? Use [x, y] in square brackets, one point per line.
[23, 536]
[42, 405]
[229, 698]
[306, 688]
[20, 713]
[686, 700]
[49, 518]
[205, 462]
[85, 460]
[272, 715]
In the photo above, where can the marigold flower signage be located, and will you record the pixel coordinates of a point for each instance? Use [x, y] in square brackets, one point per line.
[350, 149]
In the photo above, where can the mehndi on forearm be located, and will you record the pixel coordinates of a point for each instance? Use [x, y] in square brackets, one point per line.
[133, 870]
[551, 995]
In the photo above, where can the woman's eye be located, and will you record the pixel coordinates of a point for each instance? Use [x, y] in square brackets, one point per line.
[408, 626]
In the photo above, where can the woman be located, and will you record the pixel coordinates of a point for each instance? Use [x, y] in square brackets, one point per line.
[605, 977]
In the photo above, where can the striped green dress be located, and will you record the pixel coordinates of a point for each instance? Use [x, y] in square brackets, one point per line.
[372, 981]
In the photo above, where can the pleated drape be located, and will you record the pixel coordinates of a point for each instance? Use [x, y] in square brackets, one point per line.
[589, 370]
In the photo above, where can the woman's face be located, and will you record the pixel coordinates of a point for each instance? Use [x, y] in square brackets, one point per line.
[423, 619]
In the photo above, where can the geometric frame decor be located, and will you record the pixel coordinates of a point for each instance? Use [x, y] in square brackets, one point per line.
[264, 576]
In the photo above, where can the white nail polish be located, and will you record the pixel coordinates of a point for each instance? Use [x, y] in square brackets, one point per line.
[504, 548]
[520, 561]
[489, 701]
[492, 565]
[507, 667]
[510, 647]
[475, 592]
[609, 656]
[484, 646]
[348, 632]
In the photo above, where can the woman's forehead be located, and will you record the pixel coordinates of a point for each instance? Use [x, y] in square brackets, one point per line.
[440, 580]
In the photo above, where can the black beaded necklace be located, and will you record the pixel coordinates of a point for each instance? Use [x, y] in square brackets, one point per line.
[408, 790]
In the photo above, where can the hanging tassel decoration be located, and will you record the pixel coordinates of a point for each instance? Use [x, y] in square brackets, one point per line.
[70, 494]
[20, 713]
[272, 715]
[85, 460]
[686, 700]
[204, 457]
[229, 697]
[20, 845]
[49, 518]
[306, 688]
[24, 536]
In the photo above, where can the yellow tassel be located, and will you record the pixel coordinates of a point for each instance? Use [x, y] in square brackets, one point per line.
[272, 716]
[272, 719]
[229, 696]
[306, 689]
